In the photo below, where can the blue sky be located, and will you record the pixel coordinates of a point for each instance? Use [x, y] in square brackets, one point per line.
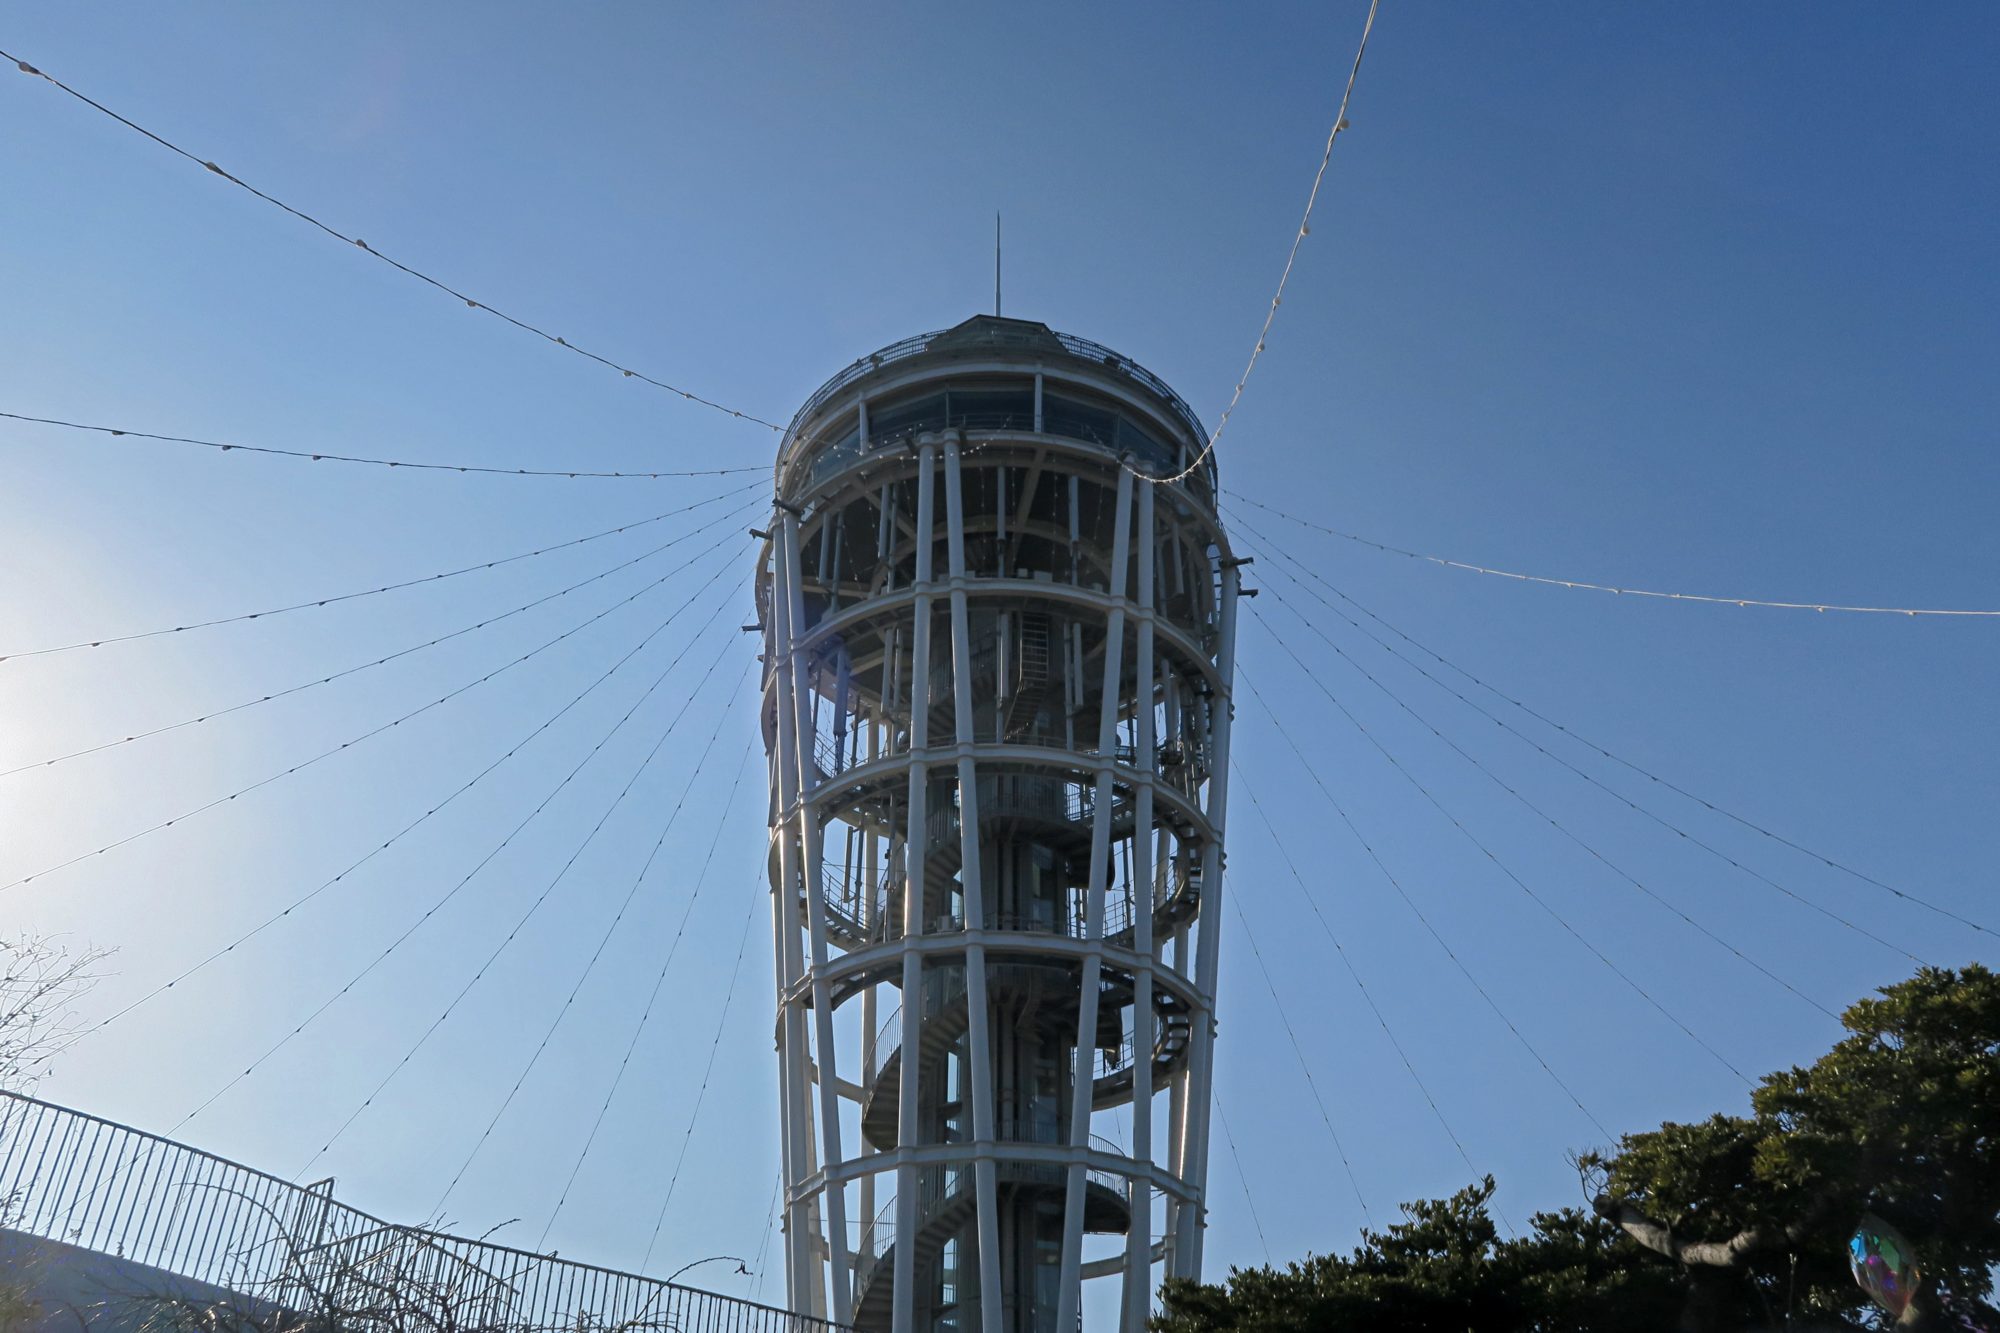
[1689, 297]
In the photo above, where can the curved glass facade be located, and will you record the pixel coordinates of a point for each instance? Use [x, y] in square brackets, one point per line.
[1005, 403]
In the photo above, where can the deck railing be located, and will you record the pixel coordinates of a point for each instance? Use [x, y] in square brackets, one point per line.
[1083, 349]
[103, 1186]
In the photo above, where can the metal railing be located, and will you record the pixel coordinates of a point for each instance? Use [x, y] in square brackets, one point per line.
[941, 987]
[944, 1186]
[865, 904]
[93, 1183]
[1172, 769]
[939, 1187]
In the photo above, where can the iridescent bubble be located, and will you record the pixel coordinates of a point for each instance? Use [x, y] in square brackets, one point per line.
[1884, 1264]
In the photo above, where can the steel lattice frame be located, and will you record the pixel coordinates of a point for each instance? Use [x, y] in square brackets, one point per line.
[997, 798]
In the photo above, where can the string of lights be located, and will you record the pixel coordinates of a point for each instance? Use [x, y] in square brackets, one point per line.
[617, 918]
[646, 1014]
[701, 1092]
[371, 251]
[1353, 974]
[1639, 770]
[1422, 918]
[1582, 585]
[520, 923]
[1291, 259]
[1502, 866]
[457, 792]
[1544, 815]
[1291, 569]
[317, 681]
[1285, 1019]
[365, 736]
[105, 639]
[402, 463]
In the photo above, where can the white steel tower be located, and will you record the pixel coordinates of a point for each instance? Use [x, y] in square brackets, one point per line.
[996, 705]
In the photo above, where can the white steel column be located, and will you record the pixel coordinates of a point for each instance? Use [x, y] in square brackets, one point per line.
[865, 1209]
[810, 835]
[1139, 1233]
[792, 1041]
[870, 1019]
[794, 1283]
[986, 1187]
[914, 852]
[1070, 1283]
[1201, 1065]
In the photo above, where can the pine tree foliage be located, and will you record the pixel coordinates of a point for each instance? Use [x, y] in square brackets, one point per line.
[1736, 1222]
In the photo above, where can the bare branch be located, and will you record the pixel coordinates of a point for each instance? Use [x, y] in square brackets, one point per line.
[40, 981]
[1731, 1253]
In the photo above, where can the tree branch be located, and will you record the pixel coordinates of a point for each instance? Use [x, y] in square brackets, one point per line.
[1660, 1238]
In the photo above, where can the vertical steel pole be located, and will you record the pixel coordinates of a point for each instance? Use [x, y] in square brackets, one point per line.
[1139, 1232]
[915, 849]
[1208, 948]
[986, 1186]
[811, 843]
[784, 761]
[869, 1019]
[774, 701]
[1071, 1283]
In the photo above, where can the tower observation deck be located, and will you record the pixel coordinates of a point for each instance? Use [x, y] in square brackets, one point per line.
[997, 675]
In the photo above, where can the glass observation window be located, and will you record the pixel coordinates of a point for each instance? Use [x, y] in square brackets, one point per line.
[1153, 456]
[1078, 421]
[999, 405]
[992, 409]
[903, 419]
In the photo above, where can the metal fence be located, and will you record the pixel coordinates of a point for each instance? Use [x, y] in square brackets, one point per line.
[102, 1186]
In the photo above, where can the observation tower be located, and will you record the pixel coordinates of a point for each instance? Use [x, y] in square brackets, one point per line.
[997, 670]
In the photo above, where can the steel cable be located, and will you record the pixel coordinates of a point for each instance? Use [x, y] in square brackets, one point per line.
[617, 918]
[1543, 815]
[1581, 585]
[404, 464]
[1403, 893]
[214, 713]
[104, 640]
[1291, 570]
[1504, 868]
[639, 1028]
[514, 932]
[349, 744]
[410, 827]
[374, 253]
[1640, 770]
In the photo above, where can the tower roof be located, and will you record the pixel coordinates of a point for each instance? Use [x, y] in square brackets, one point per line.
[996, 332]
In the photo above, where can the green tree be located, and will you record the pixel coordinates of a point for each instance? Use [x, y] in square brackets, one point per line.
[1901, 1118]
[1444, 1267]
[1732, 1223]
